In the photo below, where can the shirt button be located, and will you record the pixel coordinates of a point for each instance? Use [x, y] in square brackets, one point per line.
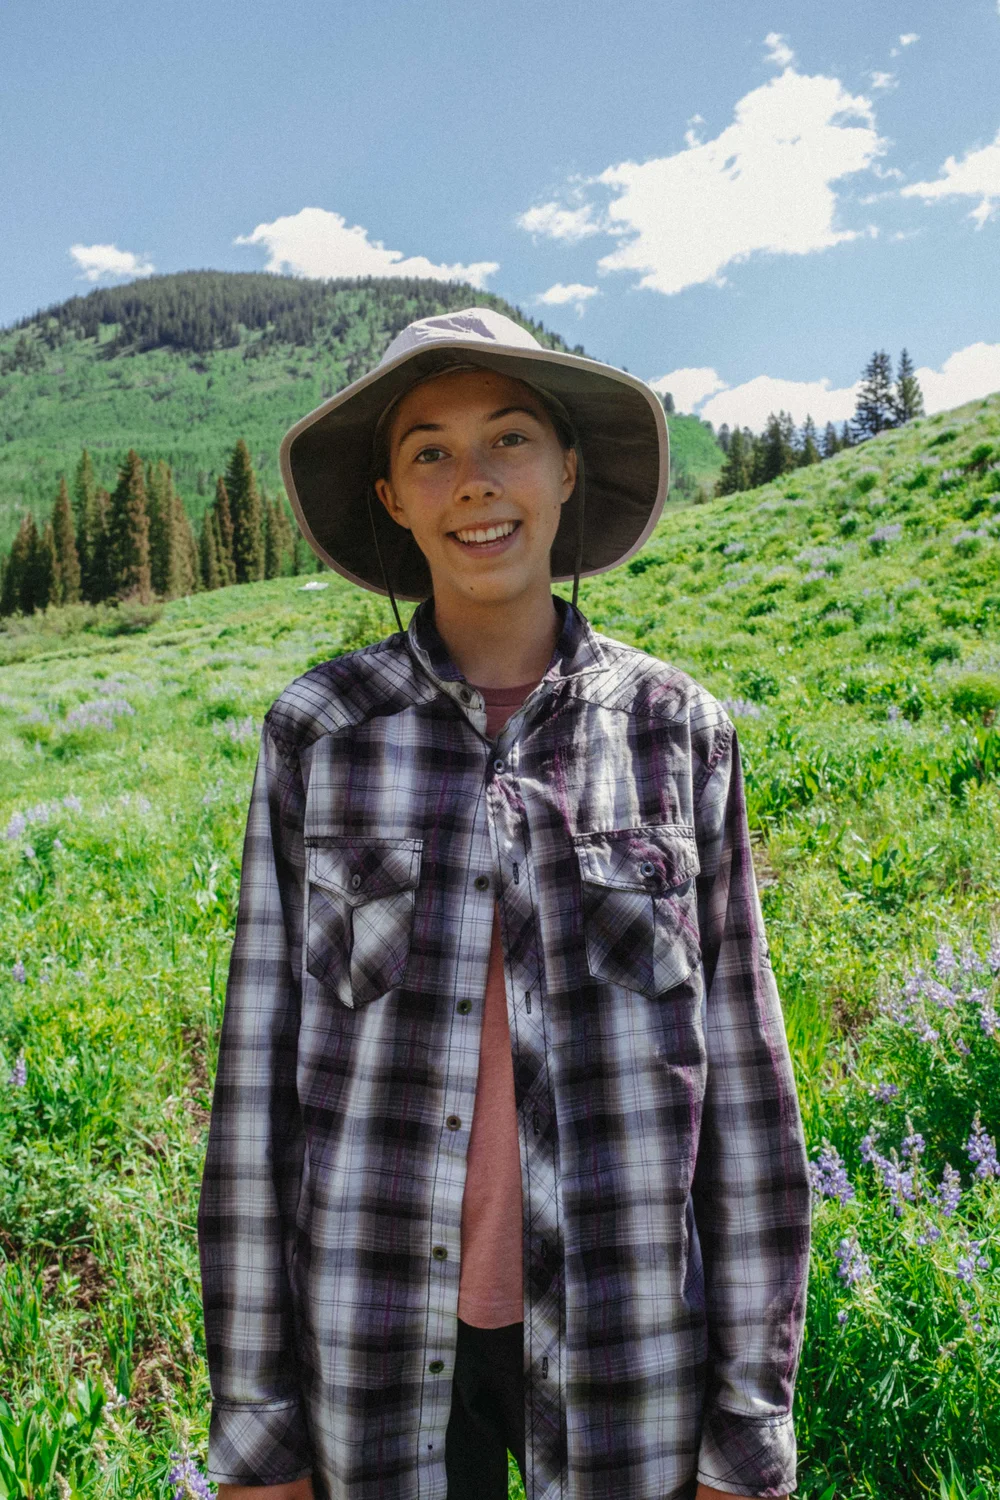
[440, 1252]
[355, 882]
[465, 695]
[436, 1366]
[482, 882]
[498, 766]
[463, 1007]
[453, 1122]
[647, 868]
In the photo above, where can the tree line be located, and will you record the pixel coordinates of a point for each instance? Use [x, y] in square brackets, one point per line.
[137, 542]
[882, 402]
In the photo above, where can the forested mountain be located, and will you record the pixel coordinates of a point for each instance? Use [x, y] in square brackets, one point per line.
[179, 368]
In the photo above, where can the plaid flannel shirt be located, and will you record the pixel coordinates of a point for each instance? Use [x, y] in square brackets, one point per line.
[666, 1198]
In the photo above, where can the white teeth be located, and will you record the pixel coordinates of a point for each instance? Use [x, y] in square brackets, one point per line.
[488, 533]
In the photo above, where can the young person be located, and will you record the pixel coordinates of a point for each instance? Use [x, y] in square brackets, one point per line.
[505, 1151]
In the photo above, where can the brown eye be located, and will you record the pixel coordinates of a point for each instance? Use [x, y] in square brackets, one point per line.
[512, 439]
[428, 455]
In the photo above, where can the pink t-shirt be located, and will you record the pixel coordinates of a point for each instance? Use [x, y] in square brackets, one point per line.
[491, 1288]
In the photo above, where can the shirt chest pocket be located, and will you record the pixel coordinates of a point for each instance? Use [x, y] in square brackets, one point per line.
[359, 921]
[640, 908]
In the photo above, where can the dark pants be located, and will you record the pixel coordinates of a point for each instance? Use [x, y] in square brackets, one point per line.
[487, 1412]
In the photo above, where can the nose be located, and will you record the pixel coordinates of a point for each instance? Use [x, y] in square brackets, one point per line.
[476, 478]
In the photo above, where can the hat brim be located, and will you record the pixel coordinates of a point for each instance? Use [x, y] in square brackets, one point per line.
[326, 457]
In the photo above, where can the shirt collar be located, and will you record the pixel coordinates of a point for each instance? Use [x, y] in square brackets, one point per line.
[576, 650]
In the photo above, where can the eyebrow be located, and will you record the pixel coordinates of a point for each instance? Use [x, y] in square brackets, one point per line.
[494, 416]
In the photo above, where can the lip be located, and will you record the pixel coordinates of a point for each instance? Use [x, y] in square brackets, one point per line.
[487, 549]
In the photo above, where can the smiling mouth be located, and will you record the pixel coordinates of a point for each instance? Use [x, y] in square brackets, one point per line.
[476, 537]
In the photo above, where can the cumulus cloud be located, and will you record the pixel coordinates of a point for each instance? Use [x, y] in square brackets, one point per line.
[977, 175]
[315, 242]
[884, 80]
[763, 185]
[778, 50]
[689, 385]
[107, 262]
[559, 295]
[966, 375]
[750, 404]
[558, 223]
[908, 38]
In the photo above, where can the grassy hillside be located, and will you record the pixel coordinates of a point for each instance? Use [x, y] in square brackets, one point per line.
[90, 373]
[850, 617]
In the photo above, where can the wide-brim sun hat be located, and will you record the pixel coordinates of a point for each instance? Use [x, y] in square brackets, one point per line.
[618, 422]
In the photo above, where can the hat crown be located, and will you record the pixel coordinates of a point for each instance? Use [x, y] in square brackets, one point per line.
[472, 323]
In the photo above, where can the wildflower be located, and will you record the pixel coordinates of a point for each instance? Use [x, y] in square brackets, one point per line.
[842, 1317]
[741, 708]
[18, 823]
[99, 713]
[886, 533]
[854, 1264]
[971, 1262]
[29, 851]
[18, 973]
[189, 1483]
[828, 1175]
[913, 1145]
[18, 1075]
[949, 1191]
[945, 961]
[962, 1046]
[734, 549]
[883, 1092]
[982, 1150]
[72, 803]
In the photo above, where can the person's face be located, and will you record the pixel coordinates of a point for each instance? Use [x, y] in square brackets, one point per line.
[479, 476]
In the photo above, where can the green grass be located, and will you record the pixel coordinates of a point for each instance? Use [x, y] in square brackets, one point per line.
[851, 616]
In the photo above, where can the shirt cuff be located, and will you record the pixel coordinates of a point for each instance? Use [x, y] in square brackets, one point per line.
[256, 1443]
[747, 1455]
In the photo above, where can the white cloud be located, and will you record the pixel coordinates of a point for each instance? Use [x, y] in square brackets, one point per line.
[977, 175]
[778, 50]
[966, 375]
[569, 224]
[560, 294]
[909, 37]
[750, 404]
[315, 242]
[689, 385]
[97, 262]
[763, 184]
[884, 80]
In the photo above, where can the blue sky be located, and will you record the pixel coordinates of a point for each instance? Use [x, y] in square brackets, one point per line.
[736, 200]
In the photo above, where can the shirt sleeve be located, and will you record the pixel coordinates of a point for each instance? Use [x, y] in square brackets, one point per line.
[751, 1188]
[253, 1169]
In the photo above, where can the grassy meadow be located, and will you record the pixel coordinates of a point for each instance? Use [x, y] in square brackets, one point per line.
[850, 617]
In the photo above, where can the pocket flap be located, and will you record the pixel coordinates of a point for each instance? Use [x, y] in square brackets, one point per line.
[653, 859]
[363, 869]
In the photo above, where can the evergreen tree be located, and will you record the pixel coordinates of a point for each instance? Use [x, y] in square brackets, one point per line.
[846, 436]
[65, 543]
[128, 533]
[88, 523]
[808, 444]
[160, 504]
[737, 473]
[909, 401]
[99, 582]
[876, 404]
[668, 402]
[831, 442]
[774, 453]
[185, 551]
[278, 539]
[247, 516]
[18, 578]
[722, 437]
[223, 523]
[211, 575]
[46, 582]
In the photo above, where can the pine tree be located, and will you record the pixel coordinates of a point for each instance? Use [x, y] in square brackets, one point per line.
[99, 582]
[279, 541]
[65, 544]
[46, 582]
[245, 507]
[876, 404]
[223, 523]
[18, 580]
[88, 523]
[736, 471]
[808, 445]
[128, 529]
[160, 504]
[211, 576]
[909, 400]
[831, 442]
[722, 437]
[846, 436]
[774, 454]
[185, 551]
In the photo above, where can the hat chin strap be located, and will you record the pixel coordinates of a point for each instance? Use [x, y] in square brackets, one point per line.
[580, 490]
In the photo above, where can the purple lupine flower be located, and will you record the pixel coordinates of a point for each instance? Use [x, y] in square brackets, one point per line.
[982, 1151]
[913, 1145]
[189, 1483]
[970, 962]
[72, 803]
[988, 1020]
[883, 1092]
[973, 1261]
[18, 974]
[950, 1190]
[944, 960]
[741, 708]
[854, 1264]
[18, 1076]
[828, 1175]
[16, 826]
[99, 713]
[993, 957]
[29, 851]
[962, 1046]
[842, 1316]
[887, 533]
